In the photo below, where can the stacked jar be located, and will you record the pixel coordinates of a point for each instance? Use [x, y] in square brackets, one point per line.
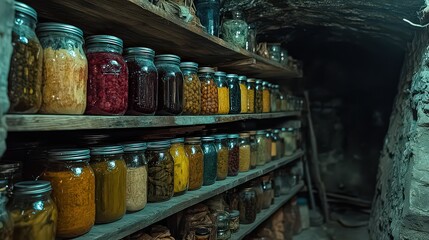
[222, 156]
[196, 160]
[181, 166]
[266, 97]
[233, 156]
[234, 94]
[251, 84]
[191, 88]
[223, 93]
[243, 93]
[209, 92]
[210, 160]
[258, 96]
[244, 155]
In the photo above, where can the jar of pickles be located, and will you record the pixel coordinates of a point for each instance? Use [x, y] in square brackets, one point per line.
[191, 88]
[243, 93]
[33, 211]
[253, 149]
[234, 154]
[25, 73]
[244, 155]
[247, 205]
[73, 190]
[170, 84]
[222, 156]
[196, 160]
[250, 83]
[262, 146]
[107, 76]
[258, 96]
[209, 94]
[65, 69]
[110, 172]
[234, 94]
[6, 221]
[222, 93]
[142, 81]
[210, 160]
[266, 97]
[160, 171]
[181, 166]
[137, 175]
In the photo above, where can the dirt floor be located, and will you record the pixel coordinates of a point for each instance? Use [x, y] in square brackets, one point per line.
[333, 231]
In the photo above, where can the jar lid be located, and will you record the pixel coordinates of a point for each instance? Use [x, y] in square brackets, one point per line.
[189, 65]
[221, 136]
[139, 51]
[177, 140]
[290, 129]
[167, 57]
[107, 39]
[220, 74]
[58, 27]
[261, 132]
[276, 131]
[202, 232]
[222, 216]
[251, 80]
[231, 75]
[242, 78]
[252, 132]
[9, 166]
[24, 8]
[71, 154]
[244, 134]
[265, 83]
[234, 214]
[134, 146]
[207, 139]
[258, 81]
[159, 144]
[233, 135]
[103, 150]
[193, 140]
[206, 70]
[31, 187]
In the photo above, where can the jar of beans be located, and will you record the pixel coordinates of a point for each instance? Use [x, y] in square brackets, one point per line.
[244, 156]
[266, 97]
[210, 160]
[258, 96]
[196, 161]
[170, 85]
[247, 205]
[143, 81]
[261, 142]
[191, 88]
[233, 156]
[243, 93]
[222, 93]
[25, 74]
[251, 95]
[234, 94]
[222, 156]
[209, 94]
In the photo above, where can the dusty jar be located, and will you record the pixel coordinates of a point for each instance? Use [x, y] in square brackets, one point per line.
[234, 154]
[253, 149]
[181, 166]
[235, 30]
[258, 96]
[222, 93]
[191, 88]
[222, 156]
[262, 146]
[243, 93]
[244, 156]
[247, 205]
[234, 94]
[196, 161]
[251, 95]
[266, 97]
[209, 92]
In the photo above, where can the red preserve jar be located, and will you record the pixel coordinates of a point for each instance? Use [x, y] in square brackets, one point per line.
[143, 81]
[107, 76]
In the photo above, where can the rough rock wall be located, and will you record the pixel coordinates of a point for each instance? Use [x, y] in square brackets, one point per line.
[400, 209]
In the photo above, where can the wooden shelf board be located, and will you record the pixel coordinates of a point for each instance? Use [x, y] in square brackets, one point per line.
[40, 122]
[140, 23]
[155, 212]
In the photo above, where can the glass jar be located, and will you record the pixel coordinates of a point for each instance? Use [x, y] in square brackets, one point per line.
[251, 39]
[234, 94]
[274, 152]
[210, 160]
[209, 94]
[181, 166]
[32, 210]
[247, 205]
[202, 234]
[268, 192]
[6, 221]
[208, 11]
[222, 93]
[235, 30]
[266, 97]
[142, 81]
[223, 234]
[65, 69]
[243, 93]
[260, 140]
[233, 155]
[284, 57]
[137, 175]
[283, 102]
[244, 155]
[196, 160]
[160, 171]
[251, 95]
[222, 220]
[290, 141]
[191, 88]
[253, 149]
[258, 96]
[268, 146]
[170, 84]
[25, 73]
[12, 173]
[257, 187]
[110, 172]
[273, 98]
[277, 97]
[222, 156]
[274, 50]
[73, 190]
[234, 221]
[107, 76]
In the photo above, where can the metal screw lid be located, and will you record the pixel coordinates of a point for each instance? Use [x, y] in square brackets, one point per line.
[234, 214]
[31, 188]
[242, 78]
[245, 134]
[261, 132]
[107, 39]
[177, 140]
[258, 81]
[251, 80]
[25, 9]
[220, 74]
[206, 70]
[207, 139]
[220, 136]
[233, 76]
[72, 154]
[49, 27]
[159, 144]
[131, 51]
[233, 135]
[193, 140]
[265, 83]
[134, 146]
[104, 150]
[189, 65]
[167, 57]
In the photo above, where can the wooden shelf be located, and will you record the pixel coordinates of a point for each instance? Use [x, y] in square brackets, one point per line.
[140, 23]
[246, 229]
[155, 212]
[40, 122]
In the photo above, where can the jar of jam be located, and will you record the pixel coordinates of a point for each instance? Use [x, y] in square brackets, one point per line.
[262, 146]
[32, 210]
[196, 161]
[161, 171]
[25, 73]
[210, 160]
[234, 94]
[110, 172]
[136, 175]
[181, 166]
[107, 76]
[191, 88]
[243, 93]
[266, 97]
[170, 84]
[222, 92]
[247, 205]
[73, 190]
[222, 156]
[233, 156]
[142, 81]
[6, 221]
[251, 95]
[258, 96]
[65, 69]
[209, 94]
[244, 155]
[253, 149]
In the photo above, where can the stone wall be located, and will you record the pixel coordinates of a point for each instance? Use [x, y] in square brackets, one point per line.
[400, 207]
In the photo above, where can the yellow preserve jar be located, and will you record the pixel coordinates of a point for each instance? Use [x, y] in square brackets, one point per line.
[258, 96]
[266, 97]
[196, 162]
[223, 93]
[243, 93]
[181, 166]
[251, 84]
[244, 156]
[222, 156]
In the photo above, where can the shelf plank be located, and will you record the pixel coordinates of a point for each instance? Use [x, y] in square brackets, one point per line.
[246, 229]
[40, 122]
[140, 23]
[155, 212]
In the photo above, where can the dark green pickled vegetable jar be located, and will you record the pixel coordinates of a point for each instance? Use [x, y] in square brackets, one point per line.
[210, 160]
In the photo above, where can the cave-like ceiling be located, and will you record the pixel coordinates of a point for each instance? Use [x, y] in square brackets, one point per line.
[336, 20]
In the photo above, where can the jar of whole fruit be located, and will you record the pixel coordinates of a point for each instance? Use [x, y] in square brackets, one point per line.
[191, 88]
[222, 156]
[209, 94]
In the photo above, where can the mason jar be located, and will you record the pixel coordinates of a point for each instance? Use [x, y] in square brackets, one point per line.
[191, 88]
[222, 156]
[244, 156]
[234, 154]
[181, 166]
[222, 92]
[260, 139]
[209, 92]
[210, 160]
[258, 96]
[243, 93]
[234, 94]
[196, 160]
[235, 30]
[247, 205]
[266, 97]
[251, 84]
